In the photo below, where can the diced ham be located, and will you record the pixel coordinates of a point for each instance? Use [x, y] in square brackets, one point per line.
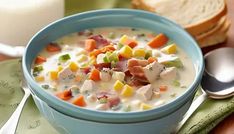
[86, 70]
[113, 100]
[137, 81]
[152, 71]
[102, 65]
[135, 68]
[100, 40]
[88, 86]
[122, 66]
[66, 75]
[145, 92]
[169, 73]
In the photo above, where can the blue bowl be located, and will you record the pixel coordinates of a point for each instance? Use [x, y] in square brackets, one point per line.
[161, 119]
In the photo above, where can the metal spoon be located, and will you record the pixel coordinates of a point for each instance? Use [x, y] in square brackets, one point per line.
[217, 81]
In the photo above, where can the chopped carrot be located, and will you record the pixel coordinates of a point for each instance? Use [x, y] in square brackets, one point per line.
[79, 101]
[90, 44]
[163, 88]
[78, 78]
[151, 59]
[40, 60]
[95, 75]
[95, 52]
[158, 41]
[132, 44]
[52, 47]
[107, 48]
[65, 95]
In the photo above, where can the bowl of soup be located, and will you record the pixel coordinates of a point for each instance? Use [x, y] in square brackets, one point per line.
[118, 70]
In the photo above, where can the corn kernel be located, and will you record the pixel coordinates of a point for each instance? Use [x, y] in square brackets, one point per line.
[53, 75]
[118, 85]
[139, 53]
[81, 52]
[170, 49]
[40, 78]
[73, 66]
[92, 60]
[60, 68]
[123, 39]
[145, 106]
[127, 91]
[82, 58]
[126, 52]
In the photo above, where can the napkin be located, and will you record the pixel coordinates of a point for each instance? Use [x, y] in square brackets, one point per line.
[31, 121]
[207, 116]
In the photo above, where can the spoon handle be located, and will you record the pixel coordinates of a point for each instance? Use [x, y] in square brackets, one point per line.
[12, 51]
[11, 125]
[192, 109]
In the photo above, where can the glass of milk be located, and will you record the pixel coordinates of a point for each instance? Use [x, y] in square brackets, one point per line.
[21, 19]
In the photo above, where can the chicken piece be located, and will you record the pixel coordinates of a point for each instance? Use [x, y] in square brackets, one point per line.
[66, 75]
[152, 71]
[105, 74]
[169, 73]
[118, 76]
[136, 62]
[92, 98]
[102, 107]
[88, 86]
[145, 92]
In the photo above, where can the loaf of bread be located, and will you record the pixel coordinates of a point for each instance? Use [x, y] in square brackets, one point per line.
[217, 36]
[201, 18]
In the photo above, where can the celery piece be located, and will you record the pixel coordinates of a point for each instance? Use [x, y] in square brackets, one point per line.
[127, 108]
[37, 70]
[176, 62]
[148, 54]
[64, 58]
[45, 86]
[111, 35]
[114, 57]
[176, 83]
[119, 46]
[106, 59]
[103, 100]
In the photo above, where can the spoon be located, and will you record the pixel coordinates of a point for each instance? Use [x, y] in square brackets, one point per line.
[12, 51]
[217, 81]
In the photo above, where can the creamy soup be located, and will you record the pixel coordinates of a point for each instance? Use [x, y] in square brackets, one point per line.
[118, 69]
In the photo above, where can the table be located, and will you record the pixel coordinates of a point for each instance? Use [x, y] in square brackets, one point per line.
[227, 125]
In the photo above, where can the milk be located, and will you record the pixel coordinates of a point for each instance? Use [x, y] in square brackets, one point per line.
[21, 19]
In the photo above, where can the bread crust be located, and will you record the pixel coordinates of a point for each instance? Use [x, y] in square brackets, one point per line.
[218, 36]
[220, 24]
[193, 29]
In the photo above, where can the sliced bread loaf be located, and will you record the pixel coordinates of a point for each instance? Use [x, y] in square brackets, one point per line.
[218, 35]
[196, 16]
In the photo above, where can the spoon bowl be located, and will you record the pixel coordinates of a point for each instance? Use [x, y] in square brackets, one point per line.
[218, 78]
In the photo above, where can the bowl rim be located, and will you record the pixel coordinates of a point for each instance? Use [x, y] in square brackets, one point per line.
[104, 116]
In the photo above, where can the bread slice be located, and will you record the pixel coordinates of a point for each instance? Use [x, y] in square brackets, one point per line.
[196, 16]
[220, 24]
[217, 36]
